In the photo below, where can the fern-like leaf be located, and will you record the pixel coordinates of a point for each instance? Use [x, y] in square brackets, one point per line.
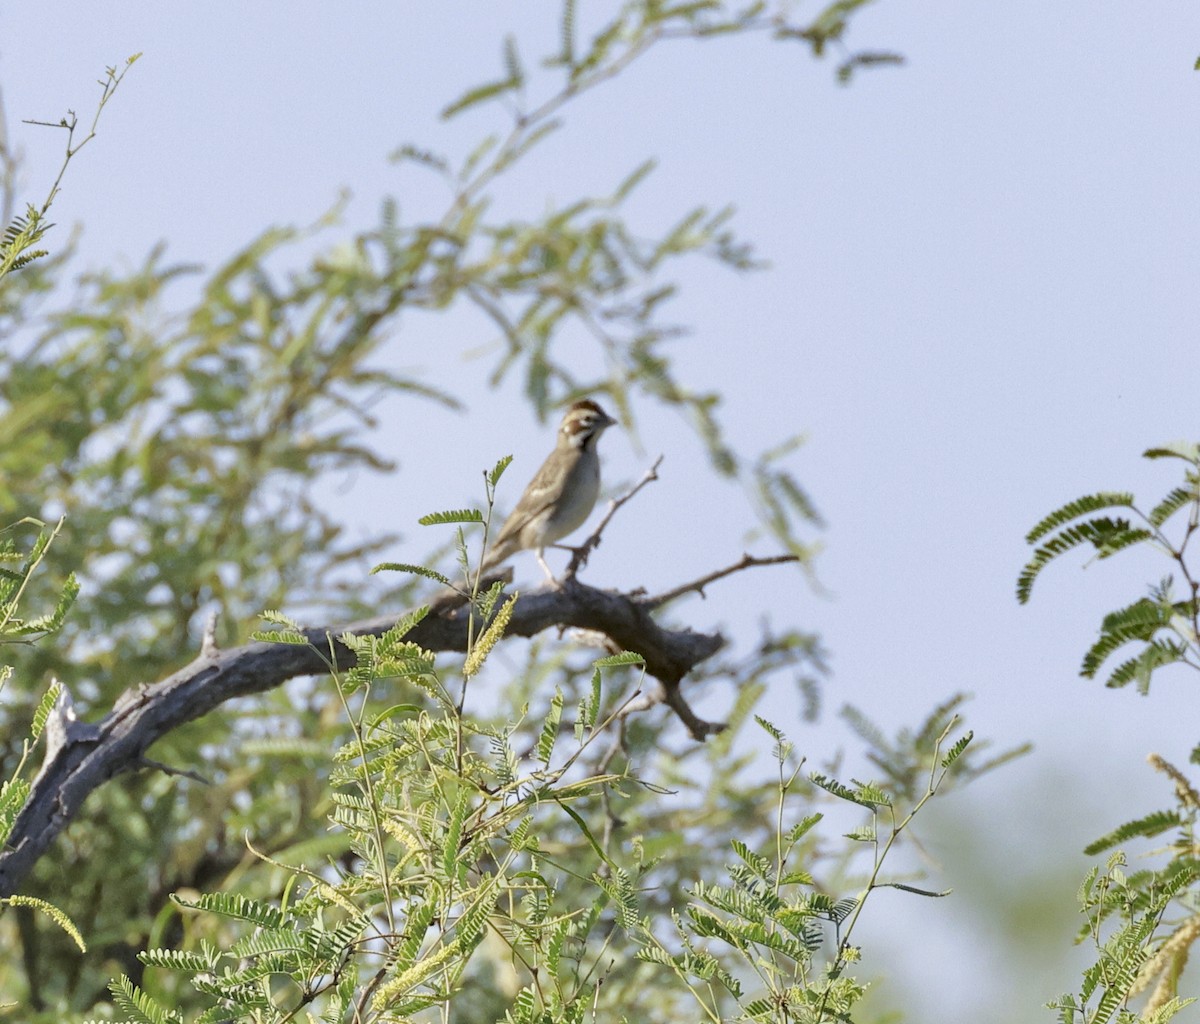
[841, 791]
[589, 707]
[1189, 451]
[13, 794]
[458, 515]
[176, 960]
[708, 925]
[512, 63]
[1139, 669]
[801, 828]
[279, 636]
[277, 618]
[416, 570]
[842, 909]
[1079, 507]
[498, 470]
[620, 889]
[1138, 621]
[567, 35]
[956, 751]
[454, 828]
[620, 658]
[1142, 828]
[237, 906]
[51, 622]
[1107, 535]
[545, 744]
[479, 94]
[933, 894]
[140, 1007]
[755, 861]
[1122, 536]
[389, 640]
[1179, 498]
[45, 706]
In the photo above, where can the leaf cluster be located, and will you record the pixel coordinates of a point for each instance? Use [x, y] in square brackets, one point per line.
[782, 928]
[16, 629]
[456, 858]
[20, 236]
[1124, 917]
[1142, 925]
[188, 423]
[439, 850]
[1166, 627]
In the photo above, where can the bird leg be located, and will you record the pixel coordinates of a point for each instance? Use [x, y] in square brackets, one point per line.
[545, 568]
[579, 557]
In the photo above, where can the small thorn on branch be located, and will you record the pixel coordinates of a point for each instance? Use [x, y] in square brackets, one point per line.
[208, 642]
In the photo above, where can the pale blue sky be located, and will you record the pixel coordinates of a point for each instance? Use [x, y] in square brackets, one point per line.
[982, 302]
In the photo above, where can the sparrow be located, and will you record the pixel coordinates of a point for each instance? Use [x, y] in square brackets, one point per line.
[562, 493]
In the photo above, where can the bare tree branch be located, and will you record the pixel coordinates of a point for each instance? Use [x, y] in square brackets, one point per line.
[84, 756]
[697, 586]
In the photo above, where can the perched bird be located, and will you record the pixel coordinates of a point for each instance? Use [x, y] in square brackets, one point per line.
[562, 493]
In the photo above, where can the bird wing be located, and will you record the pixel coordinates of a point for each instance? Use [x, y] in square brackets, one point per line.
[539, 497]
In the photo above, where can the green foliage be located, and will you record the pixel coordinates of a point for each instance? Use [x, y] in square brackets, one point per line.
[784, 930]
[829, 26]
[24, 232]
[188, 451]
[462, 515]
[15, 582]
[18, 241]
[461, 861]
[16, 629]
[906, 760]
[1142, 925]
[439, 856]
[1153, 824]
[52, 912]
[1124, 916]
[187, 422]
[1188, 451]
[1079, 507]
[1107, 536]
[1167, 628]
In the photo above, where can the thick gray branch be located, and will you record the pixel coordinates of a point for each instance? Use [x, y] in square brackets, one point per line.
[86, 755]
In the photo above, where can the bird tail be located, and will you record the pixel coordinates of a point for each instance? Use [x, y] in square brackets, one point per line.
[496, 556]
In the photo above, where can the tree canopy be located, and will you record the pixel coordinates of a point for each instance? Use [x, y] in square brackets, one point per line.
[331, 818]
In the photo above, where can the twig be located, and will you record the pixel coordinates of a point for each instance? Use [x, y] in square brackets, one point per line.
[166, 769]
[580, 556]
[108, 86]
[746, 562]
